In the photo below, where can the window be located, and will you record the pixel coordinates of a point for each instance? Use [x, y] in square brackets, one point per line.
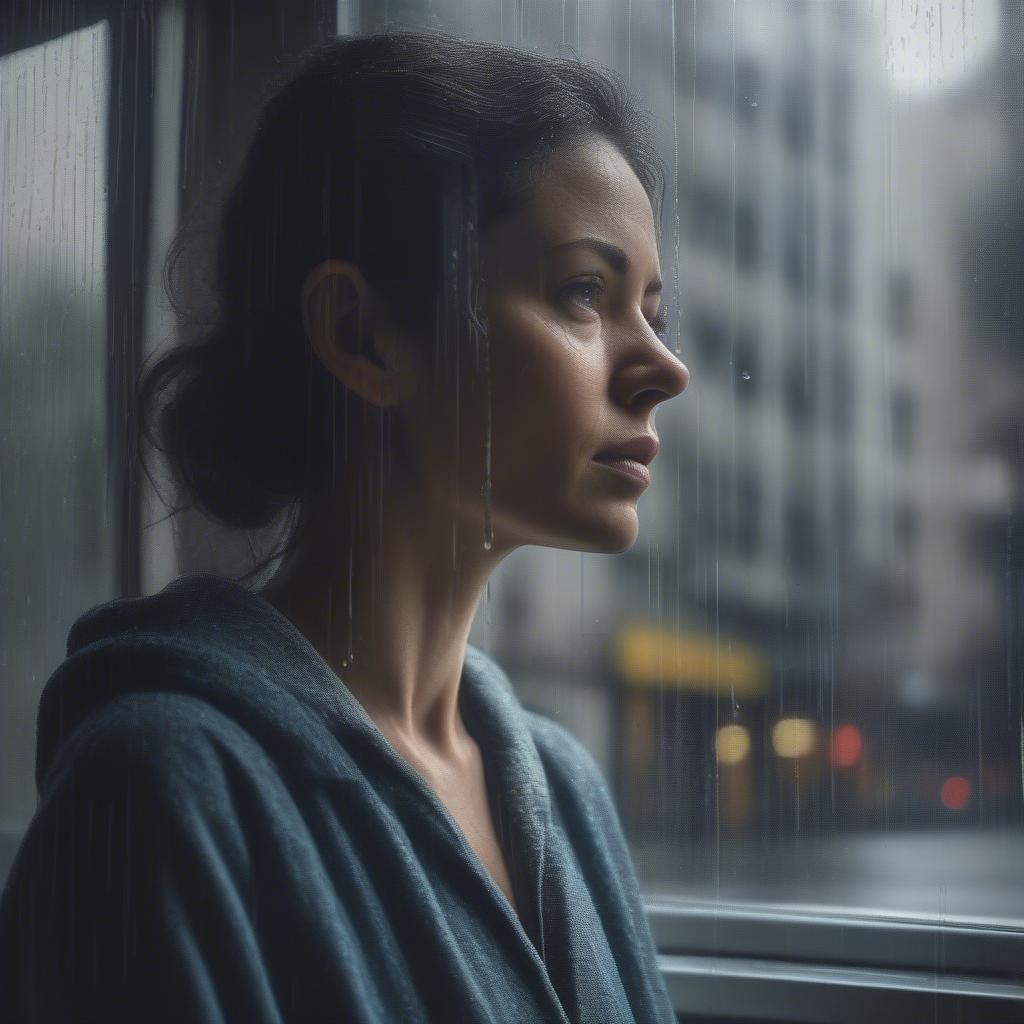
[823, 797]
[799, 259]
[842, 400]
[58, 550]
[797, 114]
[840, 106]
[711, 344]
[748, 508]
[840, 283]
[903, 416]
[901, 304]
[710, 216]
[747, 366]
[799, 380]
[906, 525]
[747, 241]
[749, 85]
[801, 542]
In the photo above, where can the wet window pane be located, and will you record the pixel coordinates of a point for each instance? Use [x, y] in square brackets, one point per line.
[56, 541]
[803, 680]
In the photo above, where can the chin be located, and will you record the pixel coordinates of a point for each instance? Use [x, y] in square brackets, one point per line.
[608, 530]
[610, 535]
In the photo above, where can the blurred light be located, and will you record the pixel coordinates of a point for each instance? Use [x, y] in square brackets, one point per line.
[732, 744]
[933, 46]
[955, 792]
[916, 689]
[794, 737]
[846, 746]
[651, 655]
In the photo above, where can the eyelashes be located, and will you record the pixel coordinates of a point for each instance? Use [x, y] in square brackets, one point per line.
[571, 293]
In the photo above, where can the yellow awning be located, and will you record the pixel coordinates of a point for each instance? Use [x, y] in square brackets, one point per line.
[658, 657]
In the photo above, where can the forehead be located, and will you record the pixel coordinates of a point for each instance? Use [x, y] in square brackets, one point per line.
[586, 189]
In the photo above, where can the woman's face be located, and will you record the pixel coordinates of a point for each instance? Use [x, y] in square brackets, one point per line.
[570, 286]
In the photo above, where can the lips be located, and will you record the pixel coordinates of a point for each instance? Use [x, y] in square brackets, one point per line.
[628, 468]
[638, 449]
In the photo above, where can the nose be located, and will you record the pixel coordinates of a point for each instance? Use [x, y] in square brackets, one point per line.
[651, 375]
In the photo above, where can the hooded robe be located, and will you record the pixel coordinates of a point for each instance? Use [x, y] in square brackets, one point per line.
[224, 835]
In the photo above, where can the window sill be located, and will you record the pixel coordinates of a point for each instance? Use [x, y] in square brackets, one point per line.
[824, 966]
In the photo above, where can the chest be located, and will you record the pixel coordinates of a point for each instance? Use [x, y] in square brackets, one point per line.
[463, 791]
[469, 806]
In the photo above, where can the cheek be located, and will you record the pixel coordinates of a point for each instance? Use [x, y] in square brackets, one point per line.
[546, 400]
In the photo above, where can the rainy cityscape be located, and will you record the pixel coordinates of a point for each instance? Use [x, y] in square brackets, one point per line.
[803, 683]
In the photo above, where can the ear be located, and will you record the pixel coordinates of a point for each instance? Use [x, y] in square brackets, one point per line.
[337, 316]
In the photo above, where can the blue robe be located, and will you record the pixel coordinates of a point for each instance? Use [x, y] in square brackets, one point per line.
[223, 834]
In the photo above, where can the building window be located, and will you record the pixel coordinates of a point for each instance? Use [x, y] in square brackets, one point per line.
[800, 539]
[710, 342]
[903, 417]
[747, 236]
[905, 525]
[842, 391]
[840, 117]
[797, 114]
[747, 514]
[749, 81]
[799, 381]
[901, 304]
[798, 248]
[839, 264]
[747, 365]
[708, 218]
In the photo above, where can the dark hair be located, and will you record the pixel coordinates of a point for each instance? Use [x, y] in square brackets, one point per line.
[393, 151]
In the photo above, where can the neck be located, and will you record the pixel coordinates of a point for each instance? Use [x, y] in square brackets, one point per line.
[388, 600]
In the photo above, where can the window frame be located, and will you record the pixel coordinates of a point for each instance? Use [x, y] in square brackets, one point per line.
[765, 962]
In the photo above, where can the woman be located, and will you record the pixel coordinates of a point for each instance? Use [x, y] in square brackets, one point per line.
[438, 340]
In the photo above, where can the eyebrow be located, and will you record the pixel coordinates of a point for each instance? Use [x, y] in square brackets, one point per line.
[612, 254]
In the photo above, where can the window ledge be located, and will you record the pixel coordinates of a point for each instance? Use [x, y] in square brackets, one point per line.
[822, 965]
[754, 990]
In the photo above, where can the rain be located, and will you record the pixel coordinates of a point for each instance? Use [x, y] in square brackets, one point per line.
[803, 680]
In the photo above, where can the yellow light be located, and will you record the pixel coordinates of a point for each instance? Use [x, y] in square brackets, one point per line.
[659, 657]
[732, 744]
[794, 737]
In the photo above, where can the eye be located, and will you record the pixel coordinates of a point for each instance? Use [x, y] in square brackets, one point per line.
[582, 293]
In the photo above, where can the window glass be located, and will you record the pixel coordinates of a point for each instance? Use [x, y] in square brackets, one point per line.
[56, 537]
[808, 667]
[803, 681]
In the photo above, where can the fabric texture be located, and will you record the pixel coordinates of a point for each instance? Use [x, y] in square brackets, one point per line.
[223, 834]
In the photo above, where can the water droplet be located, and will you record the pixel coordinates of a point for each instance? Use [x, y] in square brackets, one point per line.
[745, 375]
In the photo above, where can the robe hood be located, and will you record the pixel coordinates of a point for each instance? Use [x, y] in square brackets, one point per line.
[203, 715]
[197, 637]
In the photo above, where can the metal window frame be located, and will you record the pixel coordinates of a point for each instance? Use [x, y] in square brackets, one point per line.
[825, 965]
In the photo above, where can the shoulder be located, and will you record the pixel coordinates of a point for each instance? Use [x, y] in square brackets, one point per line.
[151, 786]
[155, 737]
[167, 775]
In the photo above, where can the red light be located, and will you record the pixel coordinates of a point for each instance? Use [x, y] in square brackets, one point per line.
[846, 746]
[955, 792]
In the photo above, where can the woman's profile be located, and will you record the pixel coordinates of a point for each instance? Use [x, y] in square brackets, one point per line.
[439, 338]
